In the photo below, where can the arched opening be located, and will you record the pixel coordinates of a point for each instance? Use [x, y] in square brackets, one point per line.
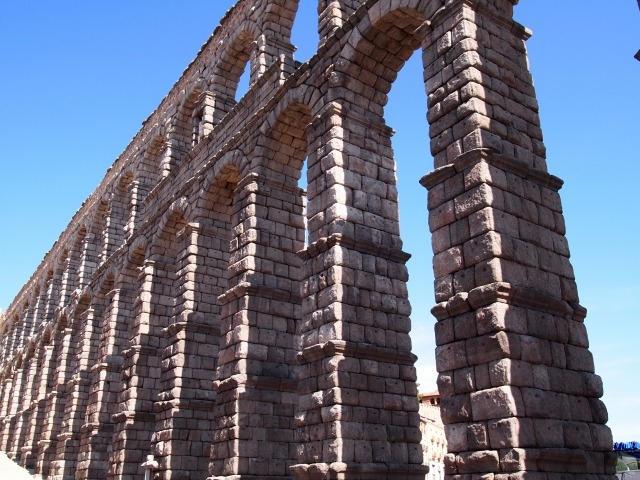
[304, 24]
[358, 301]
[234, 73]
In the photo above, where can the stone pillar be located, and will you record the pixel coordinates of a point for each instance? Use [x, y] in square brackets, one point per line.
[21, 444]
[358, 411]
[41, 386]
[139, 191]
[222, 104]
[7, 387]
[90, 251]
[114, 222]
[184, 410]
[134, 420]
[175, 148]
[67, 282]
[39, 309]
[77, 394]
[24, 327]
[519, 395]
[98, 428]
[12, 417]
[480, 91]
[61, 365]
[272, 48]
[255, 379]
[333, 14]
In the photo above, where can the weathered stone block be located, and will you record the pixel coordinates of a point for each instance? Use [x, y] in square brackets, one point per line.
[495, 403]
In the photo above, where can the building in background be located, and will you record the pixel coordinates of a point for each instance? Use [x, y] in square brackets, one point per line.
[434, 443]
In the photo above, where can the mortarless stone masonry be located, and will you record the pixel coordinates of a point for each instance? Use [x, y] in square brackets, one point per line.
[182, 314]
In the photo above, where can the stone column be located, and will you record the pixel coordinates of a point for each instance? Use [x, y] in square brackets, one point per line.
[12, 417]
[175, 148]
[39, 310]
[184, 409]
[222, 104]
[21, 444]
[61, 366]
[7, 387]
[41, 387]
[138, 191]
[255, 379]
[24, 327]
[358, 411]
[67, 282]
[98, 428]
[519, 395]
[134, 420]
[77, 394]
[90, 251]
[333, 14]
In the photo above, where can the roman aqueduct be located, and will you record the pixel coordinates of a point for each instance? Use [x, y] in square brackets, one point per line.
[202, 308]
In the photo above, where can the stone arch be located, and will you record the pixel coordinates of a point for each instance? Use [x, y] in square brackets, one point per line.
[151, 168]
[100, 229]
[116, 219]
[30, 349]
[378, 47]
[186, 126]
[122, 208]
[47, 335]
[38, 300]
[171, 223]
[240, 50]
[65, 273]
[472, 130]
[136, 253]
[23, 324]
[212, 207]
[11, 331]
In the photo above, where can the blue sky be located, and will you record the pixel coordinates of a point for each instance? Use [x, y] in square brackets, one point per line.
[78, 78]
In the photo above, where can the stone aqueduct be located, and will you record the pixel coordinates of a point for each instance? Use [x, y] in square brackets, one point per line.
[200, 309]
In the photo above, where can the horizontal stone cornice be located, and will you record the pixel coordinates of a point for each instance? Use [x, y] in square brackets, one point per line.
[361, 471]
[139, 350]
[259, 382]
[503, 162]
[368, 248]
[504, 292]
[246, 289]
[356, 349]
[181, 404]
[132, 416]
[193, 327]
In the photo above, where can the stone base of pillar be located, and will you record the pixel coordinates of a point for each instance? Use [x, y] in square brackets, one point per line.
[359, 471]
[252, 477]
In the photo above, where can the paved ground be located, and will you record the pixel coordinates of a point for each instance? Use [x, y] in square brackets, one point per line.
[11, 471]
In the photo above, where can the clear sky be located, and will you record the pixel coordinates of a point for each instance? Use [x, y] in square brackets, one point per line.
[78, 78]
